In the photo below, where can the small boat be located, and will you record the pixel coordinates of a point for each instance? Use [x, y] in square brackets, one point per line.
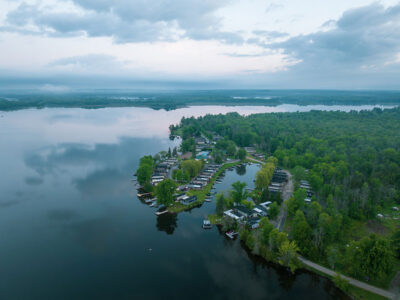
[154, 204]
[150, 200]
[231, 234]
[207, 200]
[207, 224]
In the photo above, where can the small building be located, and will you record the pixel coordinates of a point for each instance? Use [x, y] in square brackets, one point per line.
[250, 150]
[260, 210]
[186, 200]
[254, 223]
[187, 155]
[244, 211]
[232, 214]
[307, 200]
[395, 208]
[266, 204]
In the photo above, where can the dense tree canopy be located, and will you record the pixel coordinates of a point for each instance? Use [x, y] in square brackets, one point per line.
[165, 191]
[352, 162]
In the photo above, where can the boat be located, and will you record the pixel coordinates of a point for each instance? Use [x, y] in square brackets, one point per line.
[154, 204]
[207, 224]
[150, 200]
[231, 234]
[207, 200]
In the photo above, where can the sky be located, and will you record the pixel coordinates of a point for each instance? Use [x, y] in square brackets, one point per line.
[60, 45]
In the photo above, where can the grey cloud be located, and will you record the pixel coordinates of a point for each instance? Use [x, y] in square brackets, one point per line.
[360, 50]
[369, 34]
[128, 21]
[90, 62]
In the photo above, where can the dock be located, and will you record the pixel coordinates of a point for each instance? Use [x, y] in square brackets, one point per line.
[143, 194]
[161, 212]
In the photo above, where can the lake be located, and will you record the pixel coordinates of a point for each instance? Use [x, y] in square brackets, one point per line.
[71, 226]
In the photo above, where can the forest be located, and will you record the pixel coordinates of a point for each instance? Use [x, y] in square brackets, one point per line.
[351, 160]
[174, 99]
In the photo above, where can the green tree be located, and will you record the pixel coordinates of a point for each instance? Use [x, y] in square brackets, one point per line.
[241, 154]
[231, 149]
[395, 240]
[299, 173]
[188, 145]
[296, 202]
[144, 173]
[341, 283]
[288, 255]
[273, 210]
[266, 227]
[371, 256]
[219, 204]
[192, 167]
[165, 191]
[238, 192]
[301, 232]
[264, 175]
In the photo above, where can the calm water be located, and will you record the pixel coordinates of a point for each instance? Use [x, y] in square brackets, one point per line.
[71, 226]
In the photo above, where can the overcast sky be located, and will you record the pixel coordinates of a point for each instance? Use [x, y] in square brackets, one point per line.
[334, 44]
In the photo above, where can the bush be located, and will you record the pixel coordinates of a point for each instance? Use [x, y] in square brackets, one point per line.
[341, 282]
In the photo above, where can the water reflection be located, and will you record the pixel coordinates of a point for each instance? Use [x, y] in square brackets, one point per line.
[167, 223]
[241, 169]
[71, 224]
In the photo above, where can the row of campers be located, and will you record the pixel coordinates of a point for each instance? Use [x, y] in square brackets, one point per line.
[278, 180]
[243, 214]
[161, 170]
[204, 177]
[304, 184]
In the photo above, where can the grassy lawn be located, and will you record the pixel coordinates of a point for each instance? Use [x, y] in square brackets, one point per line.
[361, 294]
[214, 219]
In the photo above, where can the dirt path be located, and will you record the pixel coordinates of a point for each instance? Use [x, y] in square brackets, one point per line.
[395, 285]
[287, 192]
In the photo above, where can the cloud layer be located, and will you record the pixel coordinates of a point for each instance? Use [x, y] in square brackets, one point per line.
[126, 20]
[358, 49]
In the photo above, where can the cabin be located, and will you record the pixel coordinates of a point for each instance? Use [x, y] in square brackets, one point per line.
[266, 204]
[186, 200]
[195, 186]
[187, 155]
[274, 189]
[260, 210]
[244, 211]
[233, 215]
[250, 150]
[254, 223]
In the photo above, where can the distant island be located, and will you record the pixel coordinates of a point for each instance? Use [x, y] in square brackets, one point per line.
[170, 100]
